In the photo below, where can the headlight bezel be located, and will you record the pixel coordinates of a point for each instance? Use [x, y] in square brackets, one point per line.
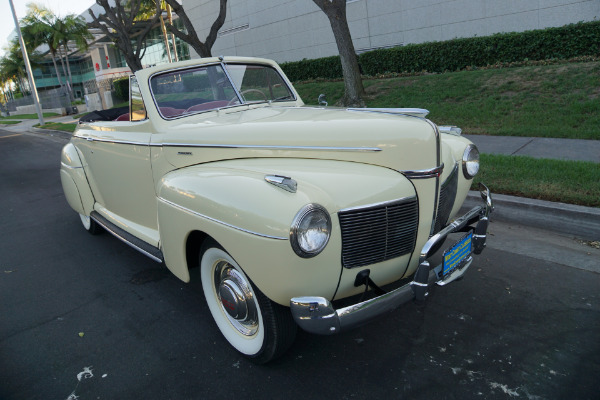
[296, 230]
[469, 160]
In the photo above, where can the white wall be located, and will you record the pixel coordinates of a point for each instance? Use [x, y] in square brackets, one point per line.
[290, 30]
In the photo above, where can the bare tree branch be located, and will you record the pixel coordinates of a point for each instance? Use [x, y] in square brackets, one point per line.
[118, 24]
[202, 48]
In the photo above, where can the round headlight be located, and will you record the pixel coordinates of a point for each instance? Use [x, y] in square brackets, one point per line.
[470, 161]
[310, 230]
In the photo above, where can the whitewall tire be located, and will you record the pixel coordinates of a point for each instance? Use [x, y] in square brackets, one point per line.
[255, 326]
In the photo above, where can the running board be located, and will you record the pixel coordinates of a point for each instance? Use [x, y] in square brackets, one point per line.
[127, 238]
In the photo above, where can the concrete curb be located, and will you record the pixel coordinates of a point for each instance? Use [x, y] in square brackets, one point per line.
[579, 221]
[63, 134]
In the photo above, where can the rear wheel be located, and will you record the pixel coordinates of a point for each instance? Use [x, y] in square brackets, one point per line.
[254, 325]
[90, 225]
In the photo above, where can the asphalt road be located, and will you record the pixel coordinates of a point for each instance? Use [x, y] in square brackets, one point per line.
[87, 317]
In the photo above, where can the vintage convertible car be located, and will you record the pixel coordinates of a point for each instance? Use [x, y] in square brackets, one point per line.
[291, 212]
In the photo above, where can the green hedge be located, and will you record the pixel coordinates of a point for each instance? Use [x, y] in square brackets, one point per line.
[195, 83]
[122, 88]
[570, 41]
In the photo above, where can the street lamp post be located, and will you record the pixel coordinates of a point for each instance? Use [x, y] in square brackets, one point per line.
[34, 92]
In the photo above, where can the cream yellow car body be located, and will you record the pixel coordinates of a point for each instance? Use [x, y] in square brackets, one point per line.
[172, 181]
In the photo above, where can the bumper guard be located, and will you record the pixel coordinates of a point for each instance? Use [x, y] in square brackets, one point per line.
[317, 315]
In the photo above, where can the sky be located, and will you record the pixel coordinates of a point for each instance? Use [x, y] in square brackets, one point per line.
[60, 7]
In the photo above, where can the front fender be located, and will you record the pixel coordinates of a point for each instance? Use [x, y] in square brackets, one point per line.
[236, 193]
[232, 202]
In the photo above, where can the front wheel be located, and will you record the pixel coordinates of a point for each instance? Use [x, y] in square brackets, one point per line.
[254, 325]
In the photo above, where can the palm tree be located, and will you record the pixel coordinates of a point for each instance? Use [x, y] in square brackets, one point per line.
[42, 26]
[12, 66]
[71, 28]
[39, 27]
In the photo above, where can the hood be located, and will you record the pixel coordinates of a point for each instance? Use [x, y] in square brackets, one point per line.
[399, 142]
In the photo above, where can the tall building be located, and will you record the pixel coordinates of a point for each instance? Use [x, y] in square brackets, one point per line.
[290, 30]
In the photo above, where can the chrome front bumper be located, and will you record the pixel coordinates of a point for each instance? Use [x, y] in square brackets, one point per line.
[317, 315]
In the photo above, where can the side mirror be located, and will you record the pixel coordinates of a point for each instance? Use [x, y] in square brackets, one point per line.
[322, 100]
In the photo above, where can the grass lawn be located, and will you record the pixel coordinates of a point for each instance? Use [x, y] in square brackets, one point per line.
[558, 101]
[58, 126]
[9, 122]
[573, 182]
[29, 116]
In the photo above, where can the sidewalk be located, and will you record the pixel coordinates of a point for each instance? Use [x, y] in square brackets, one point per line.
[561, 149]
[26, 125]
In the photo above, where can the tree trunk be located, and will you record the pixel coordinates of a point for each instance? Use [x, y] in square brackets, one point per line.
[166, 39]
[170, 19]
[354, 90]
[62, 61]
[70, 80]
[53, 55]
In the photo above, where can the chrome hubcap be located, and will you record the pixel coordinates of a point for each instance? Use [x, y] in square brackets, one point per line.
[236, 298]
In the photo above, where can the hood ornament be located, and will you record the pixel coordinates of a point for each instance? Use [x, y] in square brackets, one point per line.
[283, 182]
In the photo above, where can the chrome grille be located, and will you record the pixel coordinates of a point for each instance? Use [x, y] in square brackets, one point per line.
[446, 202]
[378, 233]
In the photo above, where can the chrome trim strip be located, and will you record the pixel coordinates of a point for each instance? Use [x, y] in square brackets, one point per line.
[413, 112]
[115, 141]
[381, 204]
[424, 173]
[68, 166]
[237, 92]
[127, 242]
[220, 222]
[266, 147]
[437, 178]
[234, 146]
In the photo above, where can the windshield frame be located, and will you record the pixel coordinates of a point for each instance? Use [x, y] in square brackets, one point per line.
[241, 102]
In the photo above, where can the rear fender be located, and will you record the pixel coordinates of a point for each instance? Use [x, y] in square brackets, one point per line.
[74, 181]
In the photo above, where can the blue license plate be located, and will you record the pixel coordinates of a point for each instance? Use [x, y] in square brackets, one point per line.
[454, 256]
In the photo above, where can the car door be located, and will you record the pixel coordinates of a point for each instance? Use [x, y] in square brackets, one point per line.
[118, 166]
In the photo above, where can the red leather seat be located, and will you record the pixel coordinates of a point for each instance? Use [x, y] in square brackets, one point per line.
[123, 117]
[211, 105]
[170, 111]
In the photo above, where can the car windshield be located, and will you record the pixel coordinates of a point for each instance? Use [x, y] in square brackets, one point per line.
[190, 91]
[259, 83]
